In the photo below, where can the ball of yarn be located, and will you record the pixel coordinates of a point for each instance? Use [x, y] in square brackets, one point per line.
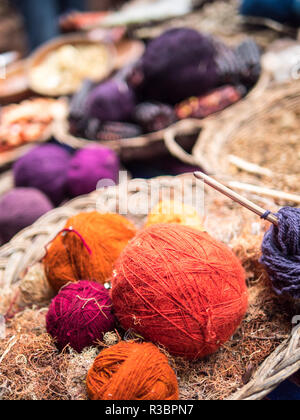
[80, 315]
[89, 166]
[172, 72]
[174, 212]
[87, 248]
[281, 253]
[180, 288]
[132, 371]
[111, 101]
[45, 168]
[20, 208]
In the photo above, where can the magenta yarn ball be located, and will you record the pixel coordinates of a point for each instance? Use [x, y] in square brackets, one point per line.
[20, 208]
[89, 166]
[80, 315]
[45, 168]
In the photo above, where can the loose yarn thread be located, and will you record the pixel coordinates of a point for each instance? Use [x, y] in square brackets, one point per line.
[132, 371]
[281, 253]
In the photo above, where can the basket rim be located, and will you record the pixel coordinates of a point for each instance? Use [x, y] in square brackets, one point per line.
[62, 135]
[21, 251]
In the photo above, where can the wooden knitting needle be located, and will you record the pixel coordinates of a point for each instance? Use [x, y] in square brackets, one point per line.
[236, 197]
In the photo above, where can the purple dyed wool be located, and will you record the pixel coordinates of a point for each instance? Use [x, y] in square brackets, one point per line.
[178, 64]
[111, 101]
[281, 253]
[44, 168]
[89, 166]
[20, 208]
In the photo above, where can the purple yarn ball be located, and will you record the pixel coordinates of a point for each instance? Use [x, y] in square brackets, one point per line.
[45, 168]
[112, 100]
[80, 315]
[20, 208]
[89, 166]
[281, 253]
[178, 64]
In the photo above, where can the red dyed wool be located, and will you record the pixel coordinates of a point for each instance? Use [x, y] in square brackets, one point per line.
[180, 288]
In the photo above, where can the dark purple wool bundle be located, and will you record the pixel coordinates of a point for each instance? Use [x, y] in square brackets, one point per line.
[20, 208]
[45, 168]
[112, 100]
[178, 64]
[281, 253]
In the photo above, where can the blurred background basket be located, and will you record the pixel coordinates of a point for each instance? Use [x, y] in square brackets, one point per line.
[152, 145]
[42, 53]
[236, 146]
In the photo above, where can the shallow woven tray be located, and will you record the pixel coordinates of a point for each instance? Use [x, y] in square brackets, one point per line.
[152, 145]
[224, 220]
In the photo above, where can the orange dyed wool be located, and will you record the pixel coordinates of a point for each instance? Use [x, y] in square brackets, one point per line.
[87, 248]
[132, 371]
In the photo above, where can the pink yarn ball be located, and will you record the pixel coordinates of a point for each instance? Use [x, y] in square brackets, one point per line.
[89, 166]
[80, 315]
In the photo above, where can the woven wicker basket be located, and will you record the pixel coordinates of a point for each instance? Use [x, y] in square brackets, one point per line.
[210, 150]
[28, 247]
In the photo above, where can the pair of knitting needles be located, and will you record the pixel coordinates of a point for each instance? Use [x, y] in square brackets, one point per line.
[237, 198]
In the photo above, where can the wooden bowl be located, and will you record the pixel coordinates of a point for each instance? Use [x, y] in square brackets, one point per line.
[14, 87]
[41, 53]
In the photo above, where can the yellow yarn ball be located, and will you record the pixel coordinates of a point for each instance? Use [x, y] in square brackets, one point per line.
[175, 212]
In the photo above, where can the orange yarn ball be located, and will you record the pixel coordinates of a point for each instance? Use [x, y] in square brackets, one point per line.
[87, 248]
[132, 371]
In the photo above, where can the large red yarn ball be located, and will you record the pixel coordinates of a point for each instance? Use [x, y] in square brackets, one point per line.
[180, 288]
